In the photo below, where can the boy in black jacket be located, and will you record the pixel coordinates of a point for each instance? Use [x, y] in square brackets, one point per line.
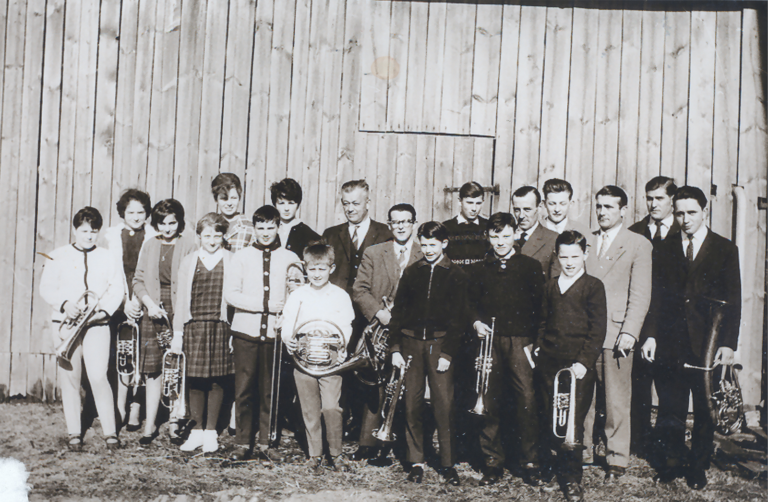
[427, 322]
[574, 310]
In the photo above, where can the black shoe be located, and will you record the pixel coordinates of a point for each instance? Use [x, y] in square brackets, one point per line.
[132, 427]
[666, 475]
[382, 460]
[696, 479]
[364, 453]
[614, 473]
[416, 475]
[574, 492]
[450, 476]
[491, 476]
[147, 440]
[532, 476]
[240, 453]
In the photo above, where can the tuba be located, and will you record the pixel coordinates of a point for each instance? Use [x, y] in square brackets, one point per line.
[72, 330]
[394, 394]
[128, 353]
[564, 409]
[483, 364]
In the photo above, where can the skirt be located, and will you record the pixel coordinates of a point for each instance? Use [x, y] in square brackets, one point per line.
[206, 347]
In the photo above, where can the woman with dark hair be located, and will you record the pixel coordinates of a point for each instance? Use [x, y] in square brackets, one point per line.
[155, 285]
[124, 242]
[294, 234]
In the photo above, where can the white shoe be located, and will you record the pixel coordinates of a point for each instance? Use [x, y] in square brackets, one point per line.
[196, 440]
[210, 441]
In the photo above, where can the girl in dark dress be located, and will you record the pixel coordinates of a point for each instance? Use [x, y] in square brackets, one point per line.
[201, 329]
[155, 285]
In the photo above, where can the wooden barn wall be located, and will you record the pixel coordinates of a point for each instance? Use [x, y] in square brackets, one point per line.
[100, 95]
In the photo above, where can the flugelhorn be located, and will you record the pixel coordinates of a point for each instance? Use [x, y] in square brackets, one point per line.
[564, 409]
[174, 376]
[483, 365]
[71, 330]
[394, 392]
[128, 352]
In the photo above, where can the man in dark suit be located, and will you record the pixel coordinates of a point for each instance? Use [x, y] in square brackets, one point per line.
[532, 238]
[656, 227]
[373, 294]
[696, 270]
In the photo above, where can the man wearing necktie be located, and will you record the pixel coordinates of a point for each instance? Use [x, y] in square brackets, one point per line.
[622, 261]
[657, 226]
[380, 271]
[532, 238]
[693, 271]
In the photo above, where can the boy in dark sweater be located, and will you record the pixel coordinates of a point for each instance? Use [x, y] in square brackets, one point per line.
[571, 335]
[467, 243]
[427, 322]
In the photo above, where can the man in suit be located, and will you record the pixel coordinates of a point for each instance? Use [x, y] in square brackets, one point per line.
[532, 238]
[373, 294]
[656, 227]
[696, 269]
[622, 261]
[558, 200]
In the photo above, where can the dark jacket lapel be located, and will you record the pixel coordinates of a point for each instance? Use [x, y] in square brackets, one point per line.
[535, 242]
[704, 250]
[346, 240]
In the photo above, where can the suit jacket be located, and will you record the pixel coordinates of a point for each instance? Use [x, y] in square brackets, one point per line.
[299, 237]
[541, 246]
[378, 276]
[348, 258]
[681, 305]
[572, 225]
[626, 274]
[641, 227]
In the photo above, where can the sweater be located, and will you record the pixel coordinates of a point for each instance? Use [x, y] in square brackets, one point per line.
[146, 282]
[467, 242]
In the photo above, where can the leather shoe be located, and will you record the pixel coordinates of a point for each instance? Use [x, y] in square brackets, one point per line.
[614, 473]
[382, 460]
[450, 476]
[491, 476]
[240, 453]
[697, 479]
[666, 476]
[532, 477]
[416, 475]
[574, 492]
[364, 453]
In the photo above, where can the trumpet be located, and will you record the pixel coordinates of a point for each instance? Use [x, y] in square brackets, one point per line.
[174, 376]
[394, 394]
[128, 353]
[483, 364]
[71, 330]
[563, 410]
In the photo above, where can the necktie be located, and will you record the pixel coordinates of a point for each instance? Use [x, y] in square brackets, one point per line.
[522, 239]
[402, 260]
[689, 249]
[603, 245]
[355, 238]
[657, 235]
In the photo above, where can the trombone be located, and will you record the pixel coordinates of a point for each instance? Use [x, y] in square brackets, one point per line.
[483, 364]
[563, 410]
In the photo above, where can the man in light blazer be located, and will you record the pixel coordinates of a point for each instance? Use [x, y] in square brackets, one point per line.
[533, 239]
[379, 274]
[622, 261]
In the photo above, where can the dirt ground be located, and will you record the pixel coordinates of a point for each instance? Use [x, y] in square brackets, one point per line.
[35, 434]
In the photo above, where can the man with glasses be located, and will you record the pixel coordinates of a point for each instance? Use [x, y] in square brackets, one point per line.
[373, 293]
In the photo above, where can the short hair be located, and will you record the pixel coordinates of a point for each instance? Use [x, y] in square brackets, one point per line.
[498, 221]
[214, 220]
[433, 230]
[470, 190]
[353, 184]
[569, 237]
[89, 215]
[662, 182]
[266, 214]
[691, 192]
[319, 252]
[288, 189]
[130, 195]
[402, 207]
[223, 183]
[556, 185]
[523, 191]
[613, 191]
[166, 208]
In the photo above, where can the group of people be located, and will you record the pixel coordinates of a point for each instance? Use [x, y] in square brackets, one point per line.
[621, 307]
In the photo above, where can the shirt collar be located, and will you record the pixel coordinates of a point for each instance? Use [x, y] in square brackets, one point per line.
[210, 260]
[564, 282]
[293, 223]
[442, 262]
[462, 220]
[555, 227]
[611, 233]
[530, 231]
[699, 235]
[362, 228]
[408, 245]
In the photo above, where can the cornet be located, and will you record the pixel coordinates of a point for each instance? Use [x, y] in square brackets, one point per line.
[483, 364]
[174, 373]
[72, 330]
[394, 394]
[563, 410]
[128, 353]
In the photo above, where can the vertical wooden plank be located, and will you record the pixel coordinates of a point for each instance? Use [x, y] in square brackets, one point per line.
[237, 81]
[299, 95]
[212, 105]
[649, 118]
[725, 152]
[463, 158]
[417, 67]
[398, 52]
[433, 82]
[701, 99]
[384, 184]
[457, 71]
[607, 100]
[581, 112]
[18, 385]
[13, 81]
[485, 74]
[3, 34]
[528, 117]
[505, 115]
[424, 186]
[49, 371]
[442, 201]
[753, 168]
[192, 47]
[375, 65]
[629, 109]
[554, 106]
[257, 127]
[373, 151]
[482, 168]
[674, 121]
[5, 376]
[405, 177]
[35, 375]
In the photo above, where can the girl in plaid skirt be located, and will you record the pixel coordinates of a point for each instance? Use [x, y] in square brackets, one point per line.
[200, 327]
